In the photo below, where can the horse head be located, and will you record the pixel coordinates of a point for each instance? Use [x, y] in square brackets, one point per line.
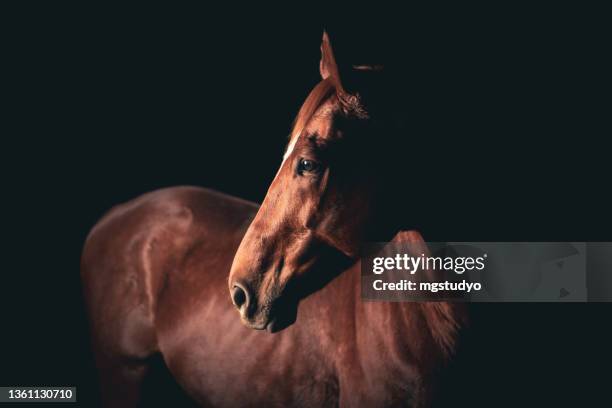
[323, 202]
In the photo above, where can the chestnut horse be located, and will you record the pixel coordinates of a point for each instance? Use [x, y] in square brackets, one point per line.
[155, 276]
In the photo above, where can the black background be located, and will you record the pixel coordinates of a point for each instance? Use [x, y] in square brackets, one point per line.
[106, 104]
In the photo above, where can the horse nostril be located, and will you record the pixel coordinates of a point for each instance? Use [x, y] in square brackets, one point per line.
[239, 295]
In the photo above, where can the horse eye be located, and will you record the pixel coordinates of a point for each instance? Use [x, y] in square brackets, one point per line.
[307, 166]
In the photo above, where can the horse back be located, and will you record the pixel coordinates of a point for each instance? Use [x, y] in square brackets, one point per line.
[131, 253]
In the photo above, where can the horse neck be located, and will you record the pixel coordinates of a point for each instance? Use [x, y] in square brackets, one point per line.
[421, 332]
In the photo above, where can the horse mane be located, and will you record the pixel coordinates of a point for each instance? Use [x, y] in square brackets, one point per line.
[445, 320]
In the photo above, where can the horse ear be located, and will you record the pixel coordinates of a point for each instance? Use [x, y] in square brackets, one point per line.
[328, 66]
[354, 84]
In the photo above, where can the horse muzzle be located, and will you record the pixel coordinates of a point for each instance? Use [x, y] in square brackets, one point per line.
[262, 312]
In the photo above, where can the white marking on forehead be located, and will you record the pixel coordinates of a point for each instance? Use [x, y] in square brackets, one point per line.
[290, 147]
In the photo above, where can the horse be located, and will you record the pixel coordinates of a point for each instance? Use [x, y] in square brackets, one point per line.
[293, 330]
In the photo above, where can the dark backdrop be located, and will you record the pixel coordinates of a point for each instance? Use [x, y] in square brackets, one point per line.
[109, 104]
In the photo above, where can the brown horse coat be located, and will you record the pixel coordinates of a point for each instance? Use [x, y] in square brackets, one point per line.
[155, 275]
